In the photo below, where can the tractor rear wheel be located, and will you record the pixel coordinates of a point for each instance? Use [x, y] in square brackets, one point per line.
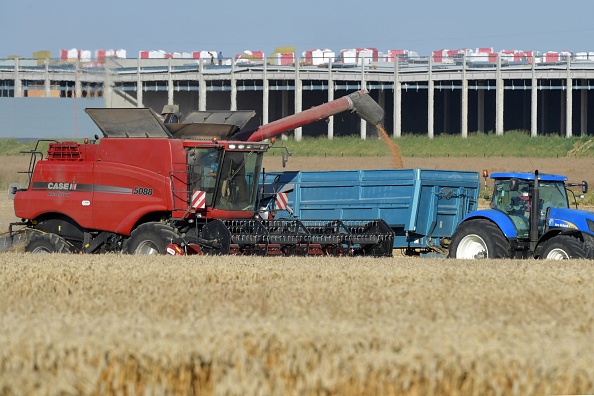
[48, 243]
[479, 239]
[563, 247]
[150, 238]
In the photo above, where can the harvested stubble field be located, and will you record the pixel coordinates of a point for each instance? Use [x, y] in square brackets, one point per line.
[235, 325]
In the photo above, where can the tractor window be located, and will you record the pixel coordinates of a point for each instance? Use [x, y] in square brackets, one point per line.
[238, 184]
[516, 204]
[552, 195]
[203, 164]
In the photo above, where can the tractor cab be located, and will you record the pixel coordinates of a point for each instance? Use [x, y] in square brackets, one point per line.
[513, 195]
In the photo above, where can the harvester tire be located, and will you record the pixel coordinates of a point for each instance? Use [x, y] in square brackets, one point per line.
[479, 239]
[48, 243]
[150, 238]
[563, 247]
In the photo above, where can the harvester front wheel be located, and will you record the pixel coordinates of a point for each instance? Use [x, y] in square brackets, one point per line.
[563, 247]
[150, 238]
[48, 243]
[478, 239]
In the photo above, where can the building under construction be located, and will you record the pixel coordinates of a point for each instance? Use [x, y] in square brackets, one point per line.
[445, 93]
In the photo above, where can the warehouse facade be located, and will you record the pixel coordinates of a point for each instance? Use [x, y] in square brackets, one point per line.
[425, 96]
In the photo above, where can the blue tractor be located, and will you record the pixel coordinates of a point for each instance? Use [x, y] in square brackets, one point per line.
[529, 217]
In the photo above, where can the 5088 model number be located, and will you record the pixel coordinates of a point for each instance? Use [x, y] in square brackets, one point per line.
[142, 191]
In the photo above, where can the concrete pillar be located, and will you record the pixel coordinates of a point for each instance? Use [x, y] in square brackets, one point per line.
[108, 85]
[233, 87]
[265, 94]
[430, 100]
[284, 109]
[584, 110]
[480, 107]
[464, 102]
[298, 97]
[77, 83]
[363, 128]
[201, 86]
[139, 86]
[18, 84]
[330, 99]
[569, 101]
[397, 100]
[534, 102]
[499, 128]
[169, 84]
[47, 81]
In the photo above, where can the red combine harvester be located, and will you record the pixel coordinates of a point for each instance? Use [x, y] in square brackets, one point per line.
[155, 187]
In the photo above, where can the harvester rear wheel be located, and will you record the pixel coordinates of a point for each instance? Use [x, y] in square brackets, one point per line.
[479, 239]
[150, 238]
[48, 243]
[563, 247]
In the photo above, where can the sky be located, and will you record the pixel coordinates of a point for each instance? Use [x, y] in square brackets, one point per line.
[262, 25]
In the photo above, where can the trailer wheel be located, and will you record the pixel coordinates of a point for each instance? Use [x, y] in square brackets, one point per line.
[563, 247]
[150, 238]
[48, 243]
[479, 239]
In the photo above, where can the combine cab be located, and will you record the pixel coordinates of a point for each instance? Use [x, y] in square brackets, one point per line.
[155, 185]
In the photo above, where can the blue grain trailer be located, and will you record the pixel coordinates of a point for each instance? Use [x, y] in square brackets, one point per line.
[422, 206]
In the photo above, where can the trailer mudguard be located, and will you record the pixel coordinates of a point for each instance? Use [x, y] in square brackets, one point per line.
[504, 223]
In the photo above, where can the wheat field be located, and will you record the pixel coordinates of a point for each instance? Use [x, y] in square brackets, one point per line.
[125, 325]
[339, 326]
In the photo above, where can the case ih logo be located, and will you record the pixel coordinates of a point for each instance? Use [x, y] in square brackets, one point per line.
[61, 186]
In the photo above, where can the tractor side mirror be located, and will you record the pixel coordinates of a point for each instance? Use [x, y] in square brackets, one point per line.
[12, 190]
[285, 159]
[584, 187]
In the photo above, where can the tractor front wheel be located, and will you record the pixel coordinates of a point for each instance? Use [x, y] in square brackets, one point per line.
[150, 238]
[479, 239]
[48, 243]
[563, 247]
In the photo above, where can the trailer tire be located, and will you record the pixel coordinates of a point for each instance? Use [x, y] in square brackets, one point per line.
[48, 243]
[150, 238]
[479, 239]
[563, 247]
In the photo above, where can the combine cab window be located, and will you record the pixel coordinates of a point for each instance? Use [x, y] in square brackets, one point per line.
[238, 182]
[203, 168]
